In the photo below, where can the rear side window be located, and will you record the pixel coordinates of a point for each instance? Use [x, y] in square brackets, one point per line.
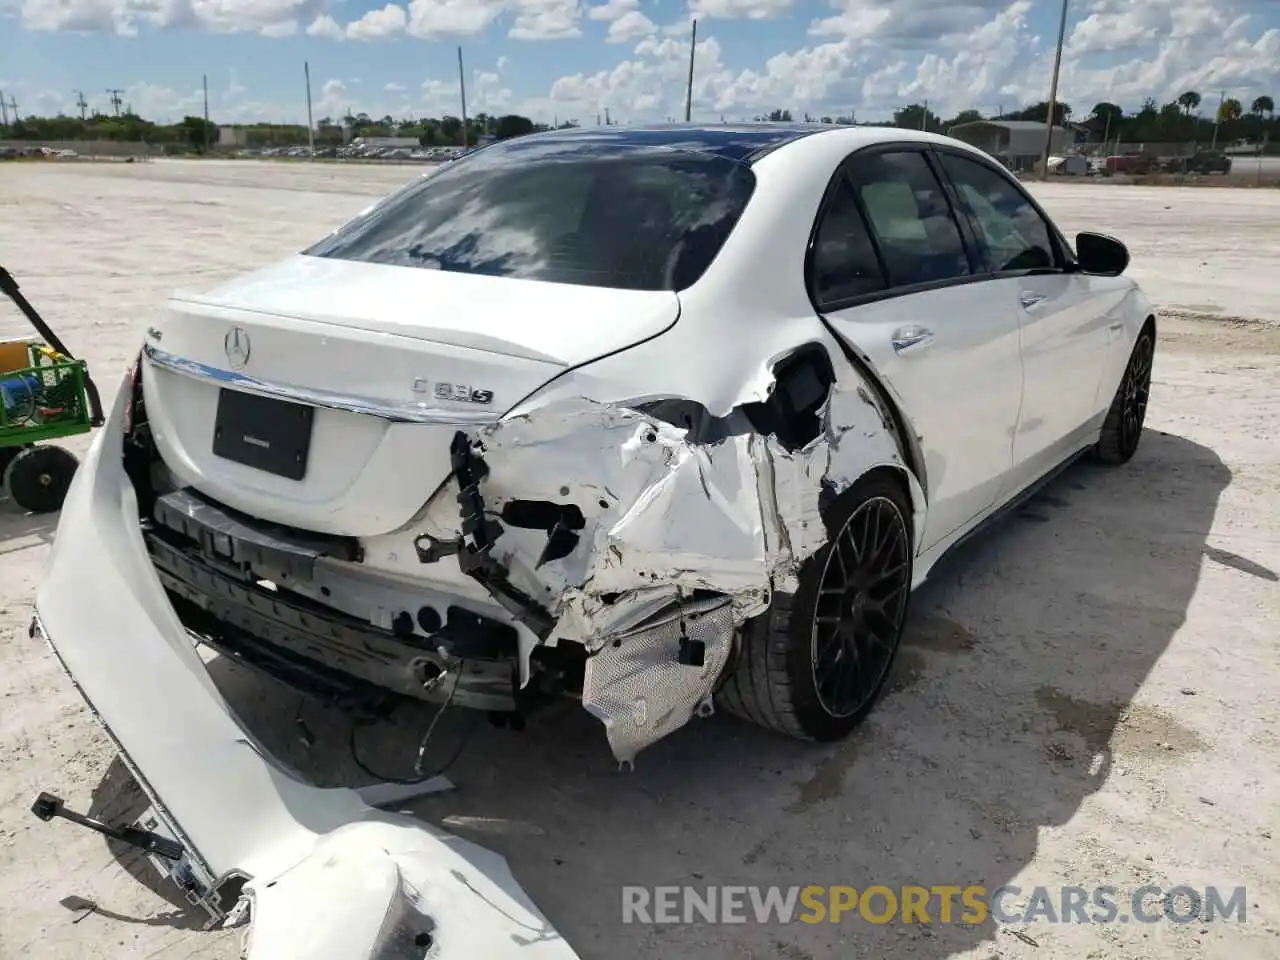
[914, 224]
[634, 219]
[843, 263]
[1014, 233]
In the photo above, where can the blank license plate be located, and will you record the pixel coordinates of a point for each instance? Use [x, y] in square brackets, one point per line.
[262, 432]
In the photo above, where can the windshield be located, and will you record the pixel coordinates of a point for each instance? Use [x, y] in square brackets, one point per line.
[582, 213]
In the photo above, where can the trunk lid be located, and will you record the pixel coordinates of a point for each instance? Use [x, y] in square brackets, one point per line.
[357, 376]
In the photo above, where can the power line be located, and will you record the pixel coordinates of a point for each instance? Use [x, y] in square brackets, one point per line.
[114, 94]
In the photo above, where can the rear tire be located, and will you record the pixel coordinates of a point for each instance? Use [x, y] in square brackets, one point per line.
[37, 479]
[1122, 428]
[813, 666]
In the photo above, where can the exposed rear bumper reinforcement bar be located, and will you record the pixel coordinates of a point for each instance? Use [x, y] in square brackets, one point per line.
[212, 563]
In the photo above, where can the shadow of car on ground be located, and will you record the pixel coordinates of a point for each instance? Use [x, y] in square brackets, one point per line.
[1015, 684]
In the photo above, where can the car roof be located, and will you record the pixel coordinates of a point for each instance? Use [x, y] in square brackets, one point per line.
[743, 142]
[734, 141]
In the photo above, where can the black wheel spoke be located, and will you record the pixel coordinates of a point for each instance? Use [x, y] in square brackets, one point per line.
[1135, 391]
[860, 606]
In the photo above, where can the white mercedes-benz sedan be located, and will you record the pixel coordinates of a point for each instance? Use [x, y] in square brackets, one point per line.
[658, 419]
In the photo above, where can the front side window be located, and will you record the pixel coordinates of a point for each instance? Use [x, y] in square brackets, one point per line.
[634, 219]
[913, 222]
[1012, 230]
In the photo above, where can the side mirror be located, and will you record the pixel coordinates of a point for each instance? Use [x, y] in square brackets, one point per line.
[1098, 253]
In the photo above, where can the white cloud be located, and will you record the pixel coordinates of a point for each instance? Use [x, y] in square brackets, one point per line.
[870, 56]
[739, 9]
[271, 18]
[325, 26]
[632, 25]
[546, 20]
[612, 9]
[390, 21]
[394, 87]
[432, 18]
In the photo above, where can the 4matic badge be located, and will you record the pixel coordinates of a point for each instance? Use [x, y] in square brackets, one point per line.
[461, 392]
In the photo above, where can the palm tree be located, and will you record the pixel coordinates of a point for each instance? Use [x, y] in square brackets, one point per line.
[1263, 104]
[1189, 101]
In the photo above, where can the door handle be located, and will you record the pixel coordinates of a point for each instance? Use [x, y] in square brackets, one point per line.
[904, 338]
[1029, 299]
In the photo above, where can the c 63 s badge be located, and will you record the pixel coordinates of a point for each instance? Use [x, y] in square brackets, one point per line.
[459, 392]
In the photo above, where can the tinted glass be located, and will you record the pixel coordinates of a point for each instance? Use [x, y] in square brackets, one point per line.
[636, 219]
[912, 220]
[1015, 235]
[844, 261]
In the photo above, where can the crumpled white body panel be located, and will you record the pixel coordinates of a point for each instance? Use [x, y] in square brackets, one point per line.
[666, 517]
[327, 870]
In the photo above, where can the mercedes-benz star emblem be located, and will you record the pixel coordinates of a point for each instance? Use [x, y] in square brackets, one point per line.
[236, 343]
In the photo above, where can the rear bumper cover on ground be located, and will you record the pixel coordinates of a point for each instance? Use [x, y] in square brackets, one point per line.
[329, 876]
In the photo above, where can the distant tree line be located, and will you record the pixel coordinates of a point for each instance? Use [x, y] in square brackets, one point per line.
[192, 134]
[1174, 122]
[1179, 120]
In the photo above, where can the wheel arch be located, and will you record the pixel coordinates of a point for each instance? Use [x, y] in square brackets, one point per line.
[910, 487]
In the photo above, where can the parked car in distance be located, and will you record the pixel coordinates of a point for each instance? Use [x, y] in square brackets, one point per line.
[1130, 163]
[1204, 161]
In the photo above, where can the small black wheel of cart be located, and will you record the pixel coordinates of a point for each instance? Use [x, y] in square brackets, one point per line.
[38, 477]
[8, 453]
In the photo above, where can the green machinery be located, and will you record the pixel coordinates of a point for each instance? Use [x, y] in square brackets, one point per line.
[45, 394]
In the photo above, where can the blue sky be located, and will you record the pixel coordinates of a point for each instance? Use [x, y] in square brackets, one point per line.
[576, 58]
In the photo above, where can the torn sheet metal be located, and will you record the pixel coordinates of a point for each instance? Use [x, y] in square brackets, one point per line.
[660, 518]
[663, 516]
[328, 874]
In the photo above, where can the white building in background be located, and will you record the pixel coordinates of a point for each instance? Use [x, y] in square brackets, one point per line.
[232, 137]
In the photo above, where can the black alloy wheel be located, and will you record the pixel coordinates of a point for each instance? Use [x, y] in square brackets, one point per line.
[860, 609]
[1136, 390]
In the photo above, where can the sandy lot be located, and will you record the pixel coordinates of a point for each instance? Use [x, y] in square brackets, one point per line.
[1089, 696]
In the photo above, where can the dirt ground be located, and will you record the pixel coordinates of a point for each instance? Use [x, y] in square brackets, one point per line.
[1088, 696]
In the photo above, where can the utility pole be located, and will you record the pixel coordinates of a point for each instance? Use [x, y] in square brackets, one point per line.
[1217, 118]
[1053, 93]
[924, 116]
[82, 103]
[13, 110]
[311, 127]
[205, 81]
[114, 94]
[607, 121]
[688, 95]
[4, 111]
[462, 89]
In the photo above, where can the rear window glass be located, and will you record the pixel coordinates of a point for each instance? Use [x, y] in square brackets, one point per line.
[635, 219]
